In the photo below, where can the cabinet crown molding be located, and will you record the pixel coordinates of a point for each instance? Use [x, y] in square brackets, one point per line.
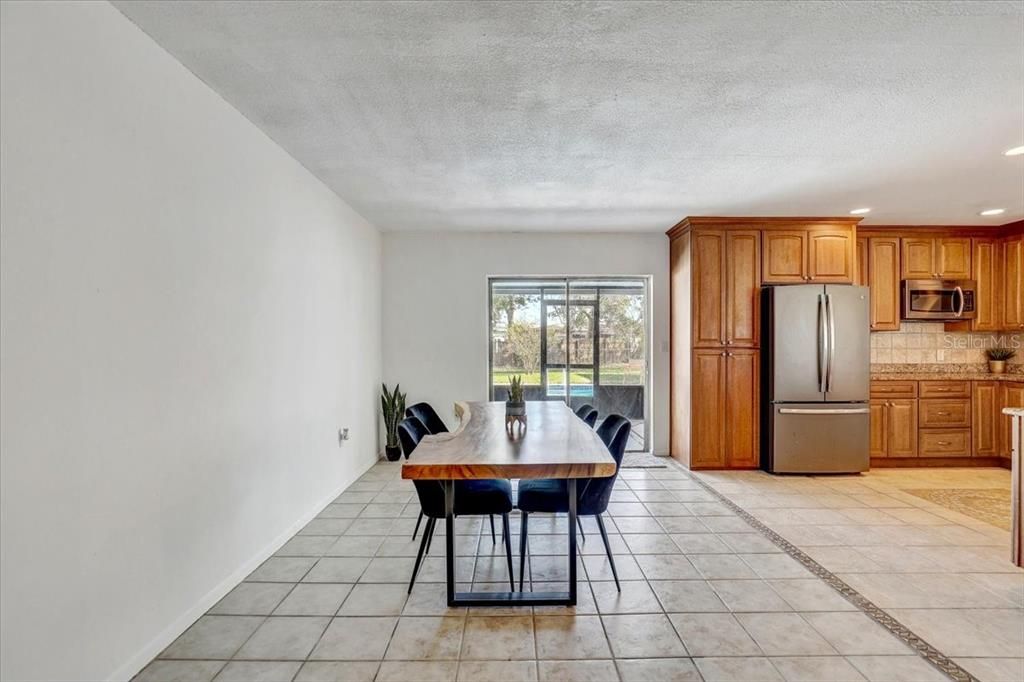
[765, 222]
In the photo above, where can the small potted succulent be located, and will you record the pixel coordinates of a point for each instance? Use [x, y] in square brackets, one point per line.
[515, 406]
[392, 406]
[997, 358]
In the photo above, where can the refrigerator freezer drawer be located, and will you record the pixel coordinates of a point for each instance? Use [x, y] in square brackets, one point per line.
[819, 438]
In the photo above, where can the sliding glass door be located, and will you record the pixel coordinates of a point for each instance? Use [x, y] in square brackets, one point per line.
[577, 340]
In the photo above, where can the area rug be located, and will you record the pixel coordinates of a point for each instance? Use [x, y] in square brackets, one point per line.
[642, 460]
[991, 505]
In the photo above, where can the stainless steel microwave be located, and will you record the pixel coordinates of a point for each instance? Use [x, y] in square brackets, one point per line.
[939, 299]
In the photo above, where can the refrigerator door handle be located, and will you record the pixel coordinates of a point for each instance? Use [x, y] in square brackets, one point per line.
[831, 341]
[822, 343]
[834, 410]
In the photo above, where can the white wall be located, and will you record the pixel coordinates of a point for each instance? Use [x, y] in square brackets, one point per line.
[187, 318]
[435, 304]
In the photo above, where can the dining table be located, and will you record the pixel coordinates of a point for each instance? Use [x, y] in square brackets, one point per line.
[552, 442]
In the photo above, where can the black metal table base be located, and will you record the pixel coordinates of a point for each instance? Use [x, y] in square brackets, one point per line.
[507, 598]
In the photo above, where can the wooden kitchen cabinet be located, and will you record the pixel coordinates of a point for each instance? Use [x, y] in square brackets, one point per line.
[725, 409]
[831, 255]
[985, 418]
[743, 288]
[1011, 395]
[901, 428]
[884, 281]
[708, 271]
[813, 254]
[878, 442]
[945, 414]
[708, 409]
[742, 408]
[986, 261]
[936, 258]
[727, 282]
[893, 427]
[862, 262]
[785, 256]
[1013, 279]
[945, 443]
[953, 257]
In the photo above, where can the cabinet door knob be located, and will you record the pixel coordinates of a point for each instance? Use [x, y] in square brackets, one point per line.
[723, 353]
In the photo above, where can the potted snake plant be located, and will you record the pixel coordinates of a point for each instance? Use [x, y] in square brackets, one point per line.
[997, 358]
[515, 406]
[392, 406]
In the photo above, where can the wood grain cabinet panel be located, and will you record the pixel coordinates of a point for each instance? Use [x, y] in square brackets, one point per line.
[986, 262]
[830, 255]
[893, 389]
[1013, 277]
[933, 258]
[1011, 395]
[742, 418]
[953, 257]
[785, 256]
[708, 288]
[984, 419]
[901, 428]
[707, 449]
[945, 443]
[879, 446]
[945, 413]
[918, 258]
[743, 288]
[944, 389]
[862, 262]
[884, 280]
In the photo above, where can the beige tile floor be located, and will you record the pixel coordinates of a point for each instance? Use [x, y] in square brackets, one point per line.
[944, 575]
[704, 596]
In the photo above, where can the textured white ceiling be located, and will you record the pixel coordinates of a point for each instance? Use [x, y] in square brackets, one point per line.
[625, 116]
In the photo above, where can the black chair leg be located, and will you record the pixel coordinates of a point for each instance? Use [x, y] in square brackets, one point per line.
[494, 540]
[428, 532]
[506, 536]
[608, 548]
[522, 549]
[417, 528]
[579, 522]
[430, 535]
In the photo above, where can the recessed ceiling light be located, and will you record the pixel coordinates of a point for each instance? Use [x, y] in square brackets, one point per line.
[1016, 151]
[860, 211]
[993, 211]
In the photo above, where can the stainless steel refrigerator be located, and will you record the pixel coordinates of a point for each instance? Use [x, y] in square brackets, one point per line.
[817, 376]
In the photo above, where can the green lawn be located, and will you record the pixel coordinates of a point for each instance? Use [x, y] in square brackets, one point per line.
[611, 375]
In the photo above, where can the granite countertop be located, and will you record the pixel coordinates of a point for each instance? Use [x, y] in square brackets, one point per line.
[945, 376]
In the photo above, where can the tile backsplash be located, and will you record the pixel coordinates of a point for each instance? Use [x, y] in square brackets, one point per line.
[927, 343]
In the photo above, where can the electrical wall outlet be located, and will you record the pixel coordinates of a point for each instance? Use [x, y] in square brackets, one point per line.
[342, 435]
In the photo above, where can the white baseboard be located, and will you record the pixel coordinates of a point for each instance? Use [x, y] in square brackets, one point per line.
[172, 631]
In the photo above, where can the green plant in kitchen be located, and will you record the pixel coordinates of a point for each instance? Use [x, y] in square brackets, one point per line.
[997, 358]
[392, 406]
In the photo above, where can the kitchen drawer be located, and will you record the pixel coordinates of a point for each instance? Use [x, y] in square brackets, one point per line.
[936, 413]
[945, 389]
[944, 443]
[893, 389]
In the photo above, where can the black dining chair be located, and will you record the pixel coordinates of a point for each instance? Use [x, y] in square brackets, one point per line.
[421, 412]
[472, 498]
[426, 414]
[588, 413]
[551, 495]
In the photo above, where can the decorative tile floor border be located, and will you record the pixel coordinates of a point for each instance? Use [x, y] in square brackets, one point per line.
[945, 664]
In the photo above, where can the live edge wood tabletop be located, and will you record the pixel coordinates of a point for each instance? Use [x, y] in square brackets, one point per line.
[555, 443]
